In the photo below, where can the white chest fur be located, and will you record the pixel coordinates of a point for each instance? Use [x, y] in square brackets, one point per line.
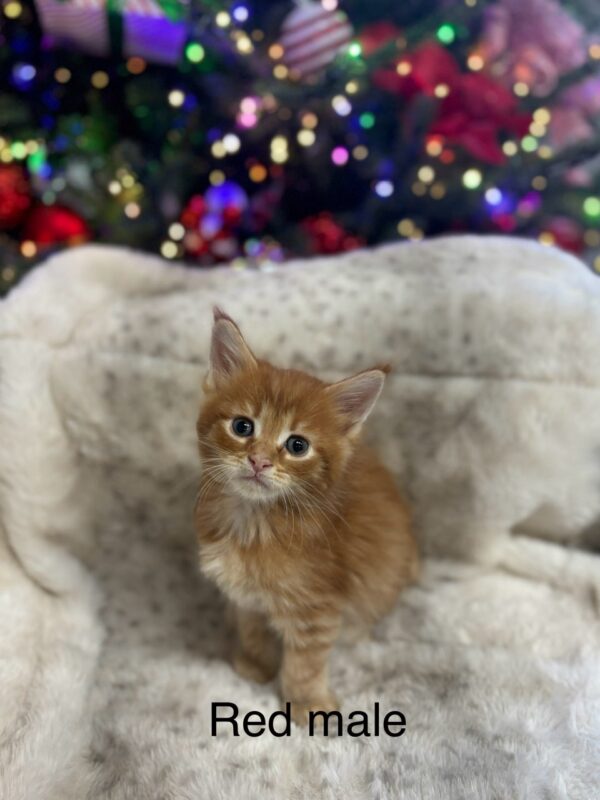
[224, 560]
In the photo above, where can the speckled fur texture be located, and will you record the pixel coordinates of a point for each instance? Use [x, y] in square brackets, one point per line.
[112, 645]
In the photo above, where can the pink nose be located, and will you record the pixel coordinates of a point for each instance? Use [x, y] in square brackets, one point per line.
[259, 463]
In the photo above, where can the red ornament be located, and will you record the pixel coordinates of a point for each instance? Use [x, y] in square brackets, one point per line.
[15, 196]
[568, 235]
[377, 35]
[475, 110]
[326, 236]
[50, 225]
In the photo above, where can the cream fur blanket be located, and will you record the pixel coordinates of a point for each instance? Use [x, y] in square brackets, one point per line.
[112, 647]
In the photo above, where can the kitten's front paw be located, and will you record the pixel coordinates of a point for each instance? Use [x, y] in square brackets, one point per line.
[253, 670]
[300, 711]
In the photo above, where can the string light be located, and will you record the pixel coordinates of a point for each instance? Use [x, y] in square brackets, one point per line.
[355, 50]
[351, 87]
[366, 120]
[280, 71]
[493, 196]
[28, 248]
[223, 19]
[475, 62]
[521, 89]
[136, 65]
[592, 238]
[216, 177]
[434, 147]
[437, 191]
[384, 188]
[194, 52]
[341, 105]
[404, 67]
[115, 188]
[279, 149]
[310, 120]
[591, 207]
[594, 51]
[240, 13]
[99, 79]
[231, 143]
[275, 51]
[547, 238]
[339, 156]
[258, 173]
[169, 249]
[176, 231]
[132, 210]
[405, 227]
[529, 144]
[542, 116]
[446, 33]
[419, 188]
[19, 150]
[510, 148]
[218, 149]
[545, 151]
[13, 10]
[244, 45]
[471, 178]
[329, 5]
[426, 174]
[306, 137]
[176, 98]
[441, 90]
[539, 183]
[360, 152]
[62, 75]
[537, 129]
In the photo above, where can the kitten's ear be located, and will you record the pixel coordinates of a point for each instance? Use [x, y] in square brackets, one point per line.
[229, 352]
[355, 397]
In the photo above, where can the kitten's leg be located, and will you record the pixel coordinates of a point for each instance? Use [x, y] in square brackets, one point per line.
[304, 670]
[257, 651]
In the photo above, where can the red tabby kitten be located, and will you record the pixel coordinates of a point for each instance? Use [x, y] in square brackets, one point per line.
[298, 523]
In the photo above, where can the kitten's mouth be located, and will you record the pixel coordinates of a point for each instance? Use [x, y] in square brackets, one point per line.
[254, 479]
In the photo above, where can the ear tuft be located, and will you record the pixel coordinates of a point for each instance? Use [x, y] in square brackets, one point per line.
[218, 314]
[355, 397]
[229, 352]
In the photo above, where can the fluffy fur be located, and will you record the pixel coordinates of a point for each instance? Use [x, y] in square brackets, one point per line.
[296, 541]
[112, 646]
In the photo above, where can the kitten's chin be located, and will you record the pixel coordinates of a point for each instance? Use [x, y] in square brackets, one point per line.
[258, 491]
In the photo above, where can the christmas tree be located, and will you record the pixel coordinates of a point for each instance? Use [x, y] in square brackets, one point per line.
[253, 131]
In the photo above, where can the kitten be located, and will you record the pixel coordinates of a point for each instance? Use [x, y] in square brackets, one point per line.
[298, 523]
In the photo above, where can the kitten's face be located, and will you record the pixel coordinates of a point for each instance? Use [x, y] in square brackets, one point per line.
[267, 434]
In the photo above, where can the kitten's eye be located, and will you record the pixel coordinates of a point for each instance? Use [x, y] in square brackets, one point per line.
[297, 445]
[242, 426]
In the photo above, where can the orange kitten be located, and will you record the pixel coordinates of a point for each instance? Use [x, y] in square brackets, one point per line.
[298, 522]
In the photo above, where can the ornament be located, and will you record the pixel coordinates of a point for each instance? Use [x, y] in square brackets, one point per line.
[312, 36]
[326, 236]
[474, 110]
[566, 233]
[51, 225]
[212, 223]
[15, 196]
[533, 42]
[377, 35]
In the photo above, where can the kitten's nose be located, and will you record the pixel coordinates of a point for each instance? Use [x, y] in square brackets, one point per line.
[259, 463]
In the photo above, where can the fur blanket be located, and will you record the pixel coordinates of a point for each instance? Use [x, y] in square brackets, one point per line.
[112, 647]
